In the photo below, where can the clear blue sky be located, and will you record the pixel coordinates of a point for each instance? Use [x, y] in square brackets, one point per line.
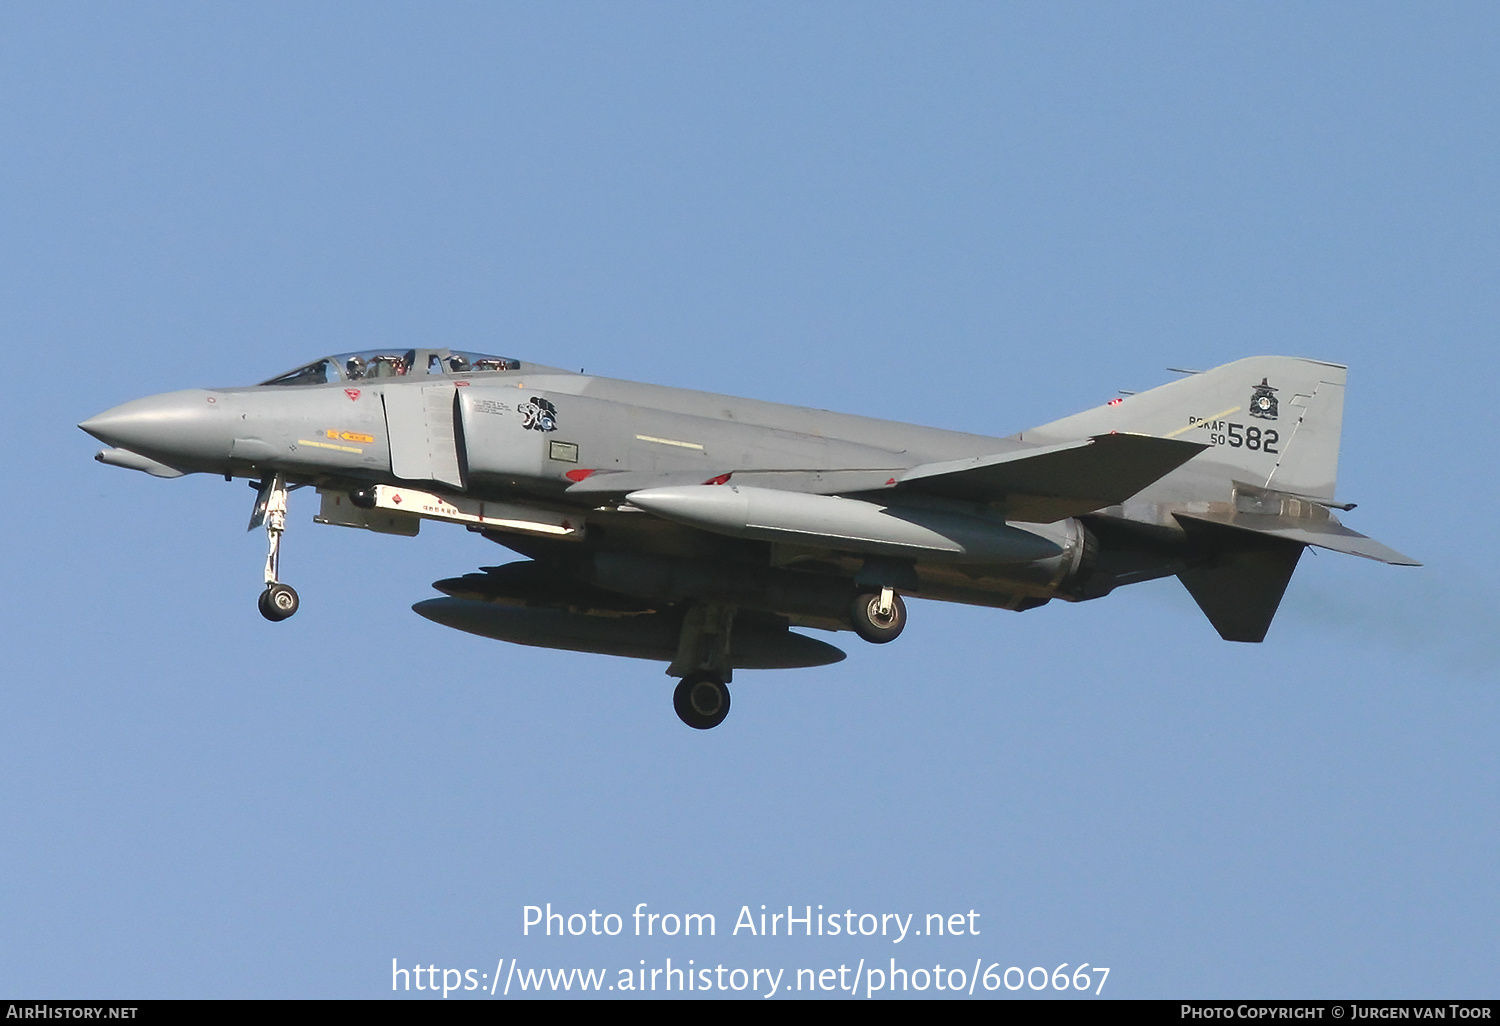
[977, 216]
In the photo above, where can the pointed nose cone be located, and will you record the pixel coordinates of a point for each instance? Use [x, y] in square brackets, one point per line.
[188, 428]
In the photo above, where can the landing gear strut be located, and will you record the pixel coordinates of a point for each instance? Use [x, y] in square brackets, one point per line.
[703, 663]
[701, 700]
[879, 617]
[278, 601]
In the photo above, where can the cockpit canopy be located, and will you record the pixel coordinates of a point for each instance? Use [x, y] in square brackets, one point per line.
[394, 363]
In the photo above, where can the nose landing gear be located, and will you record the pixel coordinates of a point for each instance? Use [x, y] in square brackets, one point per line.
[278, 601]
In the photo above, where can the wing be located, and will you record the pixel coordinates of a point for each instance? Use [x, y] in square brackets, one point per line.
[1057, 481]
[1036, 485]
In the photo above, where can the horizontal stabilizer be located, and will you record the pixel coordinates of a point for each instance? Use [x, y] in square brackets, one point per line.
[1058, 481]
[1324, 533]
[1240, 591]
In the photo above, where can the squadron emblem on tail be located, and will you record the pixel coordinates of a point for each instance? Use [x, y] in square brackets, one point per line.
[1263, 402]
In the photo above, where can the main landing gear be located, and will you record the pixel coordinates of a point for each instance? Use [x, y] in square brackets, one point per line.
[702, 697]
[701, 700]
[704, 663]
[879, 617]
[278, 601]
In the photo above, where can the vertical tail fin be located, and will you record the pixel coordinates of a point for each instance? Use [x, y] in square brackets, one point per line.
[1272, 425]
[1272, 421]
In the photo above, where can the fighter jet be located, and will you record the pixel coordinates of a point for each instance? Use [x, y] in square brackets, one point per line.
[699, 529]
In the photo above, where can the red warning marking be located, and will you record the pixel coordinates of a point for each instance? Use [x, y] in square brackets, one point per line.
[396, 499]
[721, 479]
[1114, 402]
[459, 384]
[352, 393]
[891, 481]
[577, 475]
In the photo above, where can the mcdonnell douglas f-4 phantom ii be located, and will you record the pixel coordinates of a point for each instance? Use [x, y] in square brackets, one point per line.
[697, 529]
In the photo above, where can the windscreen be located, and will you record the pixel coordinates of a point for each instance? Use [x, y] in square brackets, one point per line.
[394, 363]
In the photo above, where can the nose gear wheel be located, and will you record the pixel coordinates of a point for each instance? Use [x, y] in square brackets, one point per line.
[278, 602]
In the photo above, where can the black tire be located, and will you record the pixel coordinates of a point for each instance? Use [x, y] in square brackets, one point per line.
[278, 602]
[870, 625]
[701, 701]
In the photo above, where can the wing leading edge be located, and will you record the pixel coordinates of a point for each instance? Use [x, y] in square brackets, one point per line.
[1058, 481]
